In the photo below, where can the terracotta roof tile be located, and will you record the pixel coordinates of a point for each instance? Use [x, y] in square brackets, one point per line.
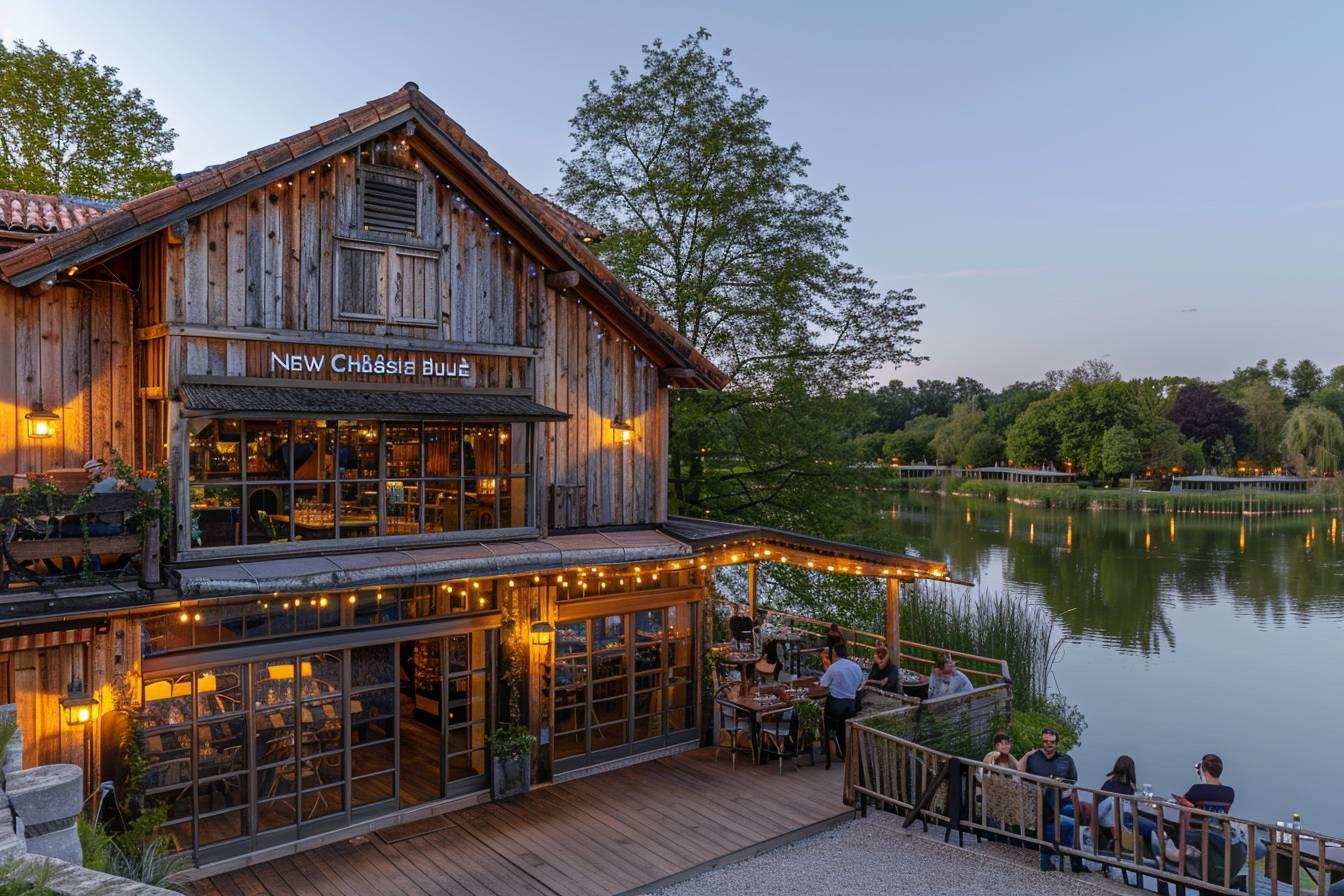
[302, 144]
[576, 225]
[160, 202]
[333, 129]
[239, 170]
[361, 118]
[203, 185]
[391, 104]
[40, 213]
[106, 225]
[269, 157]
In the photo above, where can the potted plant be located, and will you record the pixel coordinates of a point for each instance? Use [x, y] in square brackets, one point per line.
[808, 714]
[511, 756]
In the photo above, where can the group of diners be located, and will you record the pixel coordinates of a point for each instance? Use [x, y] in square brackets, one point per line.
[1178, 845]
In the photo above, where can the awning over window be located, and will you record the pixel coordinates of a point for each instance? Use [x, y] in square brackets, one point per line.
[219, 399]
[429, 565]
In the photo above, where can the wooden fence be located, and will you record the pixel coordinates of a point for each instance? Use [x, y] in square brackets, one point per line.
[1213, 853]
[42, 550]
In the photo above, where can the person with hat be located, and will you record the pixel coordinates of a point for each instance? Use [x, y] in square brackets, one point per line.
[99, 478]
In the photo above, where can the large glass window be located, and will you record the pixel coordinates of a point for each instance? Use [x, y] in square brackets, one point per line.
[263, 481]
[623, 683]
[250, 755]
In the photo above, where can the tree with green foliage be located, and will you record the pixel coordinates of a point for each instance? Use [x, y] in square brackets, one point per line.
[1313, 439]
[1306, 378]
[69, 126]
[1223, 454]
[1331, 398]
[1192, 458]
[1265, 415]
[1005, 407]
[965, 421]
[1033, 438]
[1120, 454]
[714, 223]
[1086, 411]
[914, 443]
[982, 449]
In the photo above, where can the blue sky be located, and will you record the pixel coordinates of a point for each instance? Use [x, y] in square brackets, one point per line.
[1056, 181]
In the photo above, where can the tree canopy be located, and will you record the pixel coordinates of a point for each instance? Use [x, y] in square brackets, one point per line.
[714, 222]
[69, 126]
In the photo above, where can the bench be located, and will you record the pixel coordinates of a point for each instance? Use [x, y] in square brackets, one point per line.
[21, 555]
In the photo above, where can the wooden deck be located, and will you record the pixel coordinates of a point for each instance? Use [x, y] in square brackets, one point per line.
[617, 832]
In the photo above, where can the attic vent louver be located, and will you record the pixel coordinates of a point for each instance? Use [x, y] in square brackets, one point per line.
[391, 204]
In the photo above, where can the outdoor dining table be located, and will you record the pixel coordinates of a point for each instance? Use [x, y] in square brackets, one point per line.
[760, 702]
[745, 661]
[1309, 860]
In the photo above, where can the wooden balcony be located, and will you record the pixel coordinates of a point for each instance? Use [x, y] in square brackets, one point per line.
[633, 829]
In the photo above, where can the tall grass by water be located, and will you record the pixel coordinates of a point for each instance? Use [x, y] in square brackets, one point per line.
[989, 623]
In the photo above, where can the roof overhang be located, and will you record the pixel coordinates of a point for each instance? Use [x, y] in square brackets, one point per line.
[341, 569]
[726, 544]
[200, 399]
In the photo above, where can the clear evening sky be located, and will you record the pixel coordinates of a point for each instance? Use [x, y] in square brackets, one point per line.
[1056, 181]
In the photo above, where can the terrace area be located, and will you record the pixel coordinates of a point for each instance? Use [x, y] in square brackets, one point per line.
[633, 829]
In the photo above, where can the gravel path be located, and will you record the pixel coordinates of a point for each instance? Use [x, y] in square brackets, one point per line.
[876, 857]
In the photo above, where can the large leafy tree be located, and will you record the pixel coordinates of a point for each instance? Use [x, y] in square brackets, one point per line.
[1306, 377]
[1313, 439]
[1265, 415]
[68, 125]
[1033, 438]
[1206, 417]
[714, 222]
[1120, 454]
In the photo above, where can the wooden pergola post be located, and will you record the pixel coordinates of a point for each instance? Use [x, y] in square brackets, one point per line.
[751, 591]
[894, 619]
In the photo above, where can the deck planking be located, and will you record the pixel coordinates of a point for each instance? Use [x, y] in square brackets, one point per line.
[607, 834]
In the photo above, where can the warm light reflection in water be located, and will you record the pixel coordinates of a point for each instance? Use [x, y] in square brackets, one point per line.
[1031, 534]
[1241, 539]
[1171, 529]
[1010, 524]
[1147, 541]
[1068, 533]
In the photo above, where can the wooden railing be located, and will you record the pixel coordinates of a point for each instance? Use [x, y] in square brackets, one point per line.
[49, 549]
[926, 785]
[982, 670]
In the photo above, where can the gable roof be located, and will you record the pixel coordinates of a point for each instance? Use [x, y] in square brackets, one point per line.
[39, 213]
[563, 233]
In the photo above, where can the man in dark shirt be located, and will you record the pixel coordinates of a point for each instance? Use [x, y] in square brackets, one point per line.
[1048, 762]
[1211, 795]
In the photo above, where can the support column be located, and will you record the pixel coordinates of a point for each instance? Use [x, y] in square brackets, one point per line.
[894, 619]
[751, 591]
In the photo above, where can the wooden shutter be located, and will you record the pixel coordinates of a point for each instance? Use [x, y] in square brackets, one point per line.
[390, 203]
[361, 279]
[414, 287]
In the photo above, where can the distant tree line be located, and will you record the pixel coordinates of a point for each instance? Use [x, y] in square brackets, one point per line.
[1093, 421]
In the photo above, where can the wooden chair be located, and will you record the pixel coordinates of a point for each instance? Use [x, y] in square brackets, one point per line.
[778, 733]
[734, 722]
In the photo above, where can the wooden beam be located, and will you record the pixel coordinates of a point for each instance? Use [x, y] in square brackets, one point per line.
[562, 279]
[751, 591]
[894, 619]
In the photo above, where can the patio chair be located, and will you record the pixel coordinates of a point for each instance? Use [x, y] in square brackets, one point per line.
[778, 733]
[735, 723]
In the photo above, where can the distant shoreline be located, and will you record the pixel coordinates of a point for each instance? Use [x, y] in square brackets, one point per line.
[1069, 497]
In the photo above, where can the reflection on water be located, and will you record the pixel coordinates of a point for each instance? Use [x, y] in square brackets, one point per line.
[1189, 634]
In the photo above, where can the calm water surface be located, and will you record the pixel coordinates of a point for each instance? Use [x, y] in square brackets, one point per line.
[1185, 635]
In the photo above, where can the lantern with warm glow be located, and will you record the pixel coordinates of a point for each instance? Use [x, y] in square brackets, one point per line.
[542, 633]
[41, 422]
[626, 431]
[79, 706]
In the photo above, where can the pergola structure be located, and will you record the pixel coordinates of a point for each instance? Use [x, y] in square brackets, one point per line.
[730, 544]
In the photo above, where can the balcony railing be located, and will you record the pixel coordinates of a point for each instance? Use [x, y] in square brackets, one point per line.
[1210, 852]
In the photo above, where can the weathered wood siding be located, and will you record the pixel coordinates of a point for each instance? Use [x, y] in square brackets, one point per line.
[72, 348]
[293, 258]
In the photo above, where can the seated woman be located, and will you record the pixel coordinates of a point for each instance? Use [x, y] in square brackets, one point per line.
[740, 627]
[769, 665]
[1120, 781]
[884, 672]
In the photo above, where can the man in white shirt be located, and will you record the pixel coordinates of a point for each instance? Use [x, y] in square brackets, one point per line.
[842, 680]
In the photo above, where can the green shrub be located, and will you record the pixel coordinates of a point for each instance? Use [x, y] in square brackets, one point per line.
[1054, 712]
[25, 878]
[96, 845]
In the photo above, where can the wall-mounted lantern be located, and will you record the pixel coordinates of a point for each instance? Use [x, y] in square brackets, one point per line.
[79, 706]
[626, 431]
[41, 422]
[542, 632]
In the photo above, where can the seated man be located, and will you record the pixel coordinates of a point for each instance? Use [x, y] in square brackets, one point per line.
[740, 627]
[843, 679]
[1048, 762]
[1210, 795]
[948, 679]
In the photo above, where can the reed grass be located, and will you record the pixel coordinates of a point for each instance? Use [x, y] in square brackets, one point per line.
[989, 623]
[1079, 498]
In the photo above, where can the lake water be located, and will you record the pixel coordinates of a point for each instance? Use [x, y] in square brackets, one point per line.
[1185, 635]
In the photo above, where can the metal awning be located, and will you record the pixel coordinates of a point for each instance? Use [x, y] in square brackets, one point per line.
[341, 569]
[729, 543]
[217, 399]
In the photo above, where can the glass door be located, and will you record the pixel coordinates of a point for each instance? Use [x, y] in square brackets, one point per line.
[421, 759]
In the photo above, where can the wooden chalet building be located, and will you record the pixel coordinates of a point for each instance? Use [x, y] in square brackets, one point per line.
[412, 427]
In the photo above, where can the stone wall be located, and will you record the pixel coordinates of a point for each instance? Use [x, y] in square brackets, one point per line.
[37, 811]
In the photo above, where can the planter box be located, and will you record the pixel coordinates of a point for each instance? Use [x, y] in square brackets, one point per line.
[512, 776]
